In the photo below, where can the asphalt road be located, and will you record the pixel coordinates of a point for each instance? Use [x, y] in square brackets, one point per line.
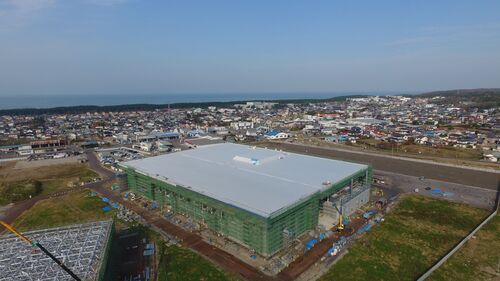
[95, 165]
[464, 176]
[475, 196]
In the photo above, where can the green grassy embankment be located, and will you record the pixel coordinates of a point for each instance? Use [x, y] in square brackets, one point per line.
[478, 259]
[414, 235]
[182, 264]
[77, 207]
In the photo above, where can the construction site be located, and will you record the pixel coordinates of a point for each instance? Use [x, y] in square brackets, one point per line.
[82, 249]
[262, 200]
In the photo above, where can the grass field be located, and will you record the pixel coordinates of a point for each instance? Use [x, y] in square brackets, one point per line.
[182, 264]
[478, 259]
[77, 207]
[413, 236]
[20, 184]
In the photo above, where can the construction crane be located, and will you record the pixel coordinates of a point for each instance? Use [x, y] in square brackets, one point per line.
[341, 226]
[35, 243]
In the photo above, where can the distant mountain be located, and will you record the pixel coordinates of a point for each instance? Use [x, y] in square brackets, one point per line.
[481, 98]
[463, 92]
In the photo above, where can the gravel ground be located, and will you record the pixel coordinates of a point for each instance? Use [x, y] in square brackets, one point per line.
[445, 173]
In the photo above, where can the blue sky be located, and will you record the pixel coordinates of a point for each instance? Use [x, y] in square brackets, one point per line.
[135, 47]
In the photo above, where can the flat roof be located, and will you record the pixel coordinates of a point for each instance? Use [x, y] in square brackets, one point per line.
[80, 247]
[261, 181]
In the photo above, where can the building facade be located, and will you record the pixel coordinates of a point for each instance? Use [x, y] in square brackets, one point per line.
[264, 233]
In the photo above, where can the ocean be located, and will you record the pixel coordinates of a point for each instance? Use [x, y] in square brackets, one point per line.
[22, 101]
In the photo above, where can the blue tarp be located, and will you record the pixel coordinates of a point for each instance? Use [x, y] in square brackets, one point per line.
[322, 236]
[106, 209]
[115, 205]
[105, 199]
[437, 191]
[272, 133]
[330, 251]
[253, 257]
[311, 244]
[368, 214]
[345, 221]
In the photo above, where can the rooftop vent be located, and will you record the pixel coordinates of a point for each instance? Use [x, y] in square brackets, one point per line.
[247, 160]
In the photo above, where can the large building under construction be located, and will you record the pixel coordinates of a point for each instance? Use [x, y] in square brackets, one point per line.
[83, 248]
[260, 198]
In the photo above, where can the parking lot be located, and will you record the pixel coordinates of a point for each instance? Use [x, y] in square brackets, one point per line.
[113, 156]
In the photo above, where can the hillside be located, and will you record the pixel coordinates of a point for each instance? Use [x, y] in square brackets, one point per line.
[481, 98]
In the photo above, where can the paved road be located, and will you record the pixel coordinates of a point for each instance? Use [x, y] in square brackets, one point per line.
[471, 177]
[95, 165]
[476, 196]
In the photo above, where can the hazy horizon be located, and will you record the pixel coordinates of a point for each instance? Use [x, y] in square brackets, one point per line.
[48, 101]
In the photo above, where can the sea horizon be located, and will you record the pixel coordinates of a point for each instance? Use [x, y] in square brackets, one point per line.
[32, 101]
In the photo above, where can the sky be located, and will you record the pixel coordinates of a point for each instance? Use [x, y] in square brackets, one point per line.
[137, 47]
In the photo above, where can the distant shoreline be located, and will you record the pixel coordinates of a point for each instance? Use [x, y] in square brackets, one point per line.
[48, 104]
[152, 106]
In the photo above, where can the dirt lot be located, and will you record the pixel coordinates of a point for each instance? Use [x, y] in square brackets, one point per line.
[472, 177]
[20, 184]
[421, 150]
[24, 164]
[475, 196]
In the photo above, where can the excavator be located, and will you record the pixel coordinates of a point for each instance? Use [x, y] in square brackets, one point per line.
[37, 244]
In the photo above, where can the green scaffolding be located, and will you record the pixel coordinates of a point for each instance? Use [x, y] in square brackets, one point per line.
[263, 235]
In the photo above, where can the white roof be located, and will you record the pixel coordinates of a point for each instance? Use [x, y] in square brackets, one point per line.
[258, 180]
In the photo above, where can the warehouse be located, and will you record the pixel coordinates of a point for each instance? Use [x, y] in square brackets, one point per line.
[257, 197]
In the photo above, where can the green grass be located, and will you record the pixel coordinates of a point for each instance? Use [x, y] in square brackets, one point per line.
[182, 264]
[20, 184]
[478, 259]
[416, 233]
[18, 191]
[77, 207]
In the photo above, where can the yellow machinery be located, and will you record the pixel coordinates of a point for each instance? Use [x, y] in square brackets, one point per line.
[341, 226]
[35, 243]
